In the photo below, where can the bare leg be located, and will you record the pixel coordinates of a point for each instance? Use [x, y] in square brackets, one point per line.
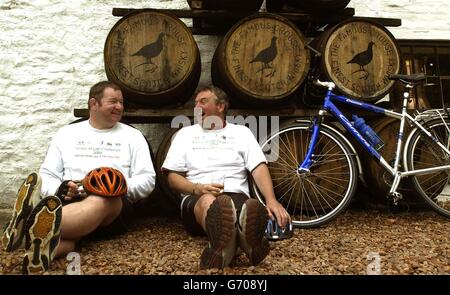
[82, 218]
[201, 208]
[65, 247]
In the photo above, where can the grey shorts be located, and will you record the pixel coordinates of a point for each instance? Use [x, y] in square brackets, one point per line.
[188, 216]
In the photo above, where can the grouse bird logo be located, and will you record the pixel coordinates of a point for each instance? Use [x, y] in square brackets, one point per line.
[150, 51]
[362, 59]
[266, 57]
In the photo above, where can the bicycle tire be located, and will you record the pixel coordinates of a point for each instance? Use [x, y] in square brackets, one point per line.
[422, 152]
[318, 198]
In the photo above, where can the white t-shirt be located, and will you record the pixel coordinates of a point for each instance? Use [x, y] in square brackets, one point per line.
[78, 148]
[199, 152]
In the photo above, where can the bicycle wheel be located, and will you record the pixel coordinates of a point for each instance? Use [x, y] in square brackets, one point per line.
[421, 153]
[317, 197]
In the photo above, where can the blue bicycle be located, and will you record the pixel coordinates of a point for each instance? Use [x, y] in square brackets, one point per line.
[315, 168]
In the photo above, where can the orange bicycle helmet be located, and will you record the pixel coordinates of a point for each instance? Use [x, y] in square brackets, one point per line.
[105, 182]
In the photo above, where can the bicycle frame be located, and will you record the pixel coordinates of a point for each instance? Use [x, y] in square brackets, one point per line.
[329, 106]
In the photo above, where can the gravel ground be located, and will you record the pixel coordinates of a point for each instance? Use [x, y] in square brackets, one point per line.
[407, 243]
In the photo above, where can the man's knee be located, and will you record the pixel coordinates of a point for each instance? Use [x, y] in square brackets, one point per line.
[203, 204]
[107, 205]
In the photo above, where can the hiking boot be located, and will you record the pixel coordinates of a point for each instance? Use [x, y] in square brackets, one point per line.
[221, 230]
[43, 235]
[251, 228]
[28, 196]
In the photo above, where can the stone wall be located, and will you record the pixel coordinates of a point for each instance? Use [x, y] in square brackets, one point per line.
[421, 19]
[51, 52]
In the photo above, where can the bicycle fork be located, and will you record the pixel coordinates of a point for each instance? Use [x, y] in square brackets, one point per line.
[308, 160]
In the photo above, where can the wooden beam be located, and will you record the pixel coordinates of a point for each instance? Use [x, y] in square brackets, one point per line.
[186, 13]
[236, 15]
[182, 13]
[387, 22]
[166, 114]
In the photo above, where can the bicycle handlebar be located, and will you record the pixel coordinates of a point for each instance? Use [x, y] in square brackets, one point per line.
[406, 79]
[329, 85]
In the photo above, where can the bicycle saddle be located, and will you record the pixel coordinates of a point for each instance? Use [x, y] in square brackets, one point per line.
[409, 78]
[275, 232]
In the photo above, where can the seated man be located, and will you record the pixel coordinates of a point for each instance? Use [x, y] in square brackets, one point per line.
[224, 210]
[51, 229]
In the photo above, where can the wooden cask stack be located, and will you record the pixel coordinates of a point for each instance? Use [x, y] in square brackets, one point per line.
[154, 58]
[261, 61]
[358, 56]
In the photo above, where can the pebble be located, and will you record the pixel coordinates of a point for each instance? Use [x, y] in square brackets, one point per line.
[408, 243]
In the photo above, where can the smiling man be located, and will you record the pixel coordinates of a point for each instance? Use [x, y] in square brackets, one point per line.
[68, 212]
[223, 211]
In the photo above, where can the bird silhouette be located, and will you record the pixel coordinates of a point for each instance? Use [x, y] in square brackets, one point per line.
[150, 51]
[362, 59]
[266, 56]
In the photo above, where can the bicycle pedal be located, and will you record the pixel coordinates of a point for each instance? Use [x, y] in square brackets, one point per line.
[395, 197]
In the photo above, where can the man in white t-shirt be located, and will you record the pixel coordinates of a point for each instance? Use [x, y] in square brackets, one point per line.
[67, 213]
[208, 164]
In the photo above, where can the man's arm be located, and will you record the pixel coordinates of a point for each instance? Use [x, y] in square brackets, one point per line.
[142, 174]
[180, 184]
[51, 171]
[261, 176]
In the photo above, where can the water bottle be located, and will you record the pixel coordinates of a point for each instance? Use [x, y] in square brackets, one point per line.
[368, 133]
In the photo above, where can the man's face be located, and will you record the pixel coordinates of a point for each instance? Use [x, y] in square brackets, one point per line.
[206, 101]
[110, 108]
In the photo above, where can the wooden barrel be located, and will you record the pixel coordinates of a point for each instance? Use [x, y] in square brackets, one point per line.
[358, 56]
[262, 60]
[153, 57]
[247, 5]
[312, 6]
[376, 177]
[161, 178]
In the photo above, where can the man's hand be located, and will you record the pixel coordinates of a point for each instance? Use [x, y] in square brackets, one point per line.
[75, 192]
[275, 209]
[214, 189]
[179, 183]
[70, 191]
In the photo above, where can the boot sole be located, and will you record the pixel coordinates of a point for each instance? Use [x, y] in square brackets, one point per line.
[252, 224]
[15, 229]
[221, 224]
[43, 228]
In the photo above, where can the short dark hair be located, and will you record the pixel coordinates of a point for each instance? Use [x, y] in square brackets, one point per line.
[97, 89]
[221, 96]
